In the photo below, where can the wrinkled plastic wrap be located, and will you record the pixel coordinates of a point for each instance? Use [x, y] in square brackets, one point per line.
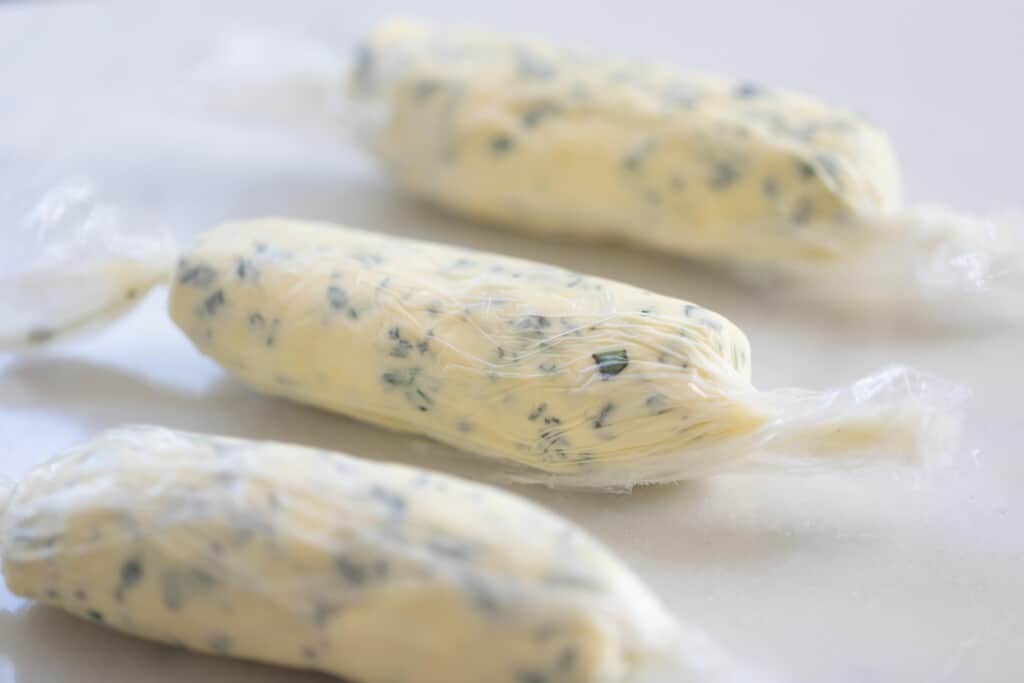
[308, 559]
[73, 260]
[793, 194]
[554, 376]
[575, 380]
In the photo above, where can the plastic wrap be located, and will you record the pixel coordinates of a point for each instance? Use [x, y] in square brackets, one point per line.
[798, 196]
[73, 260]
[578, 381]
[309, 558]
[554, 376]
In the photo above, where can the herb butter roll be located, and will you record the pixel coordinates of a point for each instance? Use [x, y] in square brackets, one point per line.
[526, 134]
[576, 380]
[377, 573]
[553, 376]
[801, 196]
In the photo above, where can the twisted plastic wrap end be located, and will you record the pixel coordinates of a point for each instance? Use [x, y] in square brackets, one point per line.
[926, 264]
[897, 415]
[77, 261]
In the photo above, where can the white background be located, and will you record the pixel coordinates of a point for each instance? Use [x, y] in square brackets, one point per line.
[861, 577]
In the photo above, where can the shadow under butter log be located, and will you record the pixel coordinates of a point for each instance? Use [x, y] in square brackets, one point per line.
[95, 397]
[43, 644]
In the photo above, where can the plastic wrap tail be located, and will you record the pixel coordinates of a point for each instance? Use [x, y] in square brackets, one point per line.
[74, 262]
[897, 415]
[927, 263]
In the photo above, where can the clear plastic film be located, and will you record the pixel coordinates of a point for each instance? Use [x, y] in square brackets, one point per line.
[575, 381]
[74, 260]
[567, 380]
[926, 265]
[309, 558]
[6, 489]
[798, 196]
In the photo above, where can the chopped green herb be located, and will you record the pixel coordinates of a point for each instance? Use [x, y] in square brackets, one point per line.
[426, 88]
[402, 377]
[501, 143]
[748, 90]
[420, 399]
[636, 157]
[536, 114]
[213, 302]
[131, 573]
[606, 410]
[197, 276]
[723, 175]
[567, 659]
[353, 573]
[610, 363]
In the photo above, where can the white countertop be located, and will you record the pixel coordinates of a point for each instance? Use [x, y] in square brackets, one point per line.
[853, 577]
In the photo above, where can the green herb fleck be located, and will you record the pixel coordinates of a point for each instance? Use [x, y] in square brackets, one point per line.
[536, 114]
[610, 363]
[426, 88]
[723, 175]
[214, 302]
[131, 573]
[197, 276]
[501, 143]
[606, 410]
[402, 377]
[748, 90]
[635, 158]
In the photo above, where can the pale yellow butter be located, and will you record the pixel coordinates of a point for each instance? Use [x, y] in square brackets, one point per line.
[591, 380]
[539, 138]
[375, 572]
